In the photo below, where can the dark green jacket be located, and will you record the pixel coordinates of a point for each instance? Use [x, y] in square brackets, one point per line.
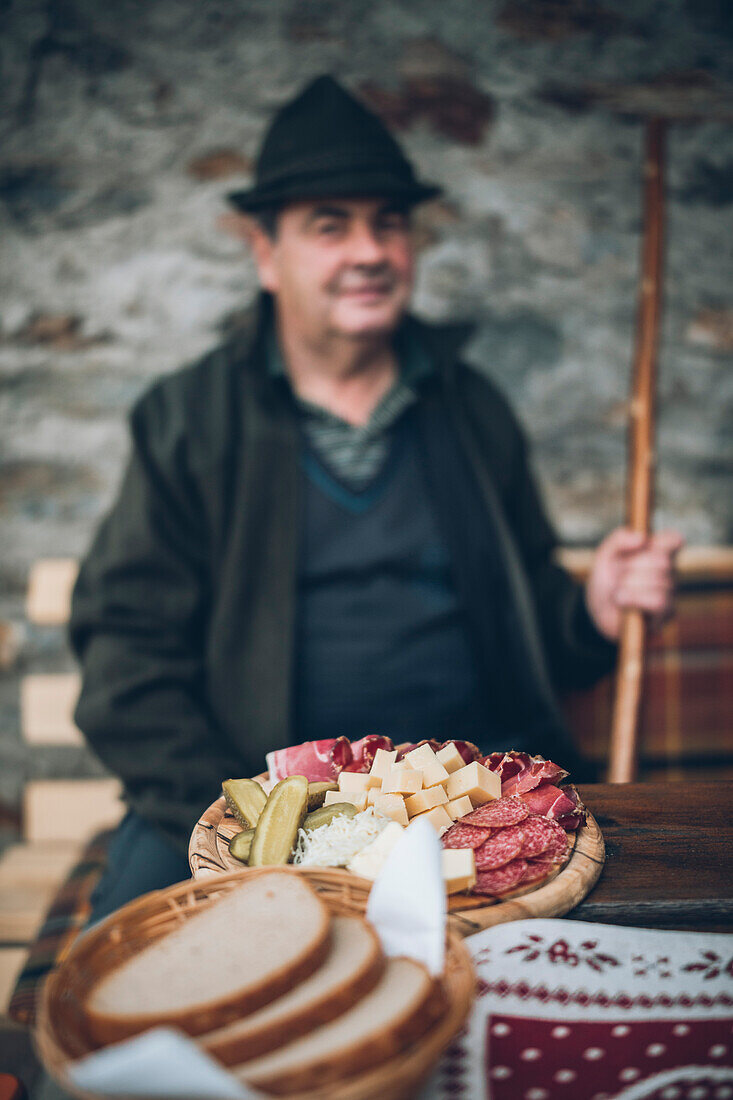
[183, 613]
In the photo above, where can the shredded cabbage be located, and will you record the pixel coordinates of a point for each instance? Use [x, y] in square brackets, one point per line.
[333, 845]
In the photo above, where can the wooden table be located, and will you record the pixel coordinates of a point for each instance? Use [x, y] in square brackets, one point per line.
[669, 856]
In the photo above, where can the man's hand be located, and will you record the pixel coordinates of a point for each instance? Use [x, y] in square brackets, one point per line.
[632, 571]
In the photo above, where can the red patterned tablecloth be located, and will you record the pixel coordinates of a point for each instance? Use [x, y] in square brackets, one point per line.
[574, 1011]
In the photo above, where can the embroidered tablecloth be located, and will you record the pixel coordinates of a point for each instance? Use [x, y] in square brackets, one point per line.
[574, 1011]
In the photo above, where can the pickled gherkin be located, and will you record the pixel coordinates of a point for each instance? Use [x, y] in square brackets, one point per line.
[240, 845]
[326, 814]
[317, 792]
[246, 799]
[277, 828]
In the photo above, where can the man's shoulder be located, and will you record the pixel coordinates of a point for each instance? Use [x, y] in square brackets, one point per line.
[204, 378]
[198, 403]
[481, 396]
[479, 387]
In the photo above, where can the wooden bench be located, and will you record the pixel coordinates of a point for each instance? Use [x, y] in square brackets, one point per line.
[58, 816]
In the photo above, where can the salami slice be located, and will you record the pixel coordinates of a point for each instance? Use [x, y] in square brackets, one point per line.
[537, 869]
[502, 846]
[539, 834]
[464, 836]
[502, 880]
[497, 814]
[557, 850]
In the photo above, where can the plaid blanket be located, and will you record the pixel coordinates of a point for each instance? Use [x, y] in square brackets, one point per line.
[66, 916]
[687, 694]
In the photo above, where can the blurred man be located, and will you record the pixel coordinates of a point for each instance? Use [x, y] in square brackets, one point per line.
[328, 526]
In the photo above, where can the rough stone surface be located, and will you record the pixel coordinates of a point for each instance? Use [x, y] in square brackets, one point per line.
[123, 125]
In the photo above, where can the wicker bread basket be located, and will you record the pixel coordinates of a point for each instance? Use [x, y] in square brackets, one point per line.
[60, 1035]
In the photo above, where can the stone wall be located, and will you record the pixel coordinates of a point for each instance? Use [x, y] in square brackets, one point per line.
[124, 124]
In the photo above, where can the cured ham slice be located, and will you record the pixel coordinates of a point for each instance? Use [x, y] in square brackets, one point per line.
[574, 818]
[554, 802]
[538, 773]
[316, 760]
[535, 781]
[507, 764]
[364, 751]
[520, 772]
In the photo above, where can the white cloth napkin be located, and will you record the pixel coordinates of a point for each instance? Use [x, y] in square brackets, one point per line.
[407, 904]
[160, 1063]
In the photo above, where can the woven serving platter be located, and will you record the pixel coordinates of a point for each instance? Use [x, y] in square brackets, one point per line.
[209, 855]
[60, 1033]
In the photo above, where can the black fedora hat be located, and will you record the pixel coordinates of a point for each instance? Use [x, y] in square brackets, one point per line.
[326, 143]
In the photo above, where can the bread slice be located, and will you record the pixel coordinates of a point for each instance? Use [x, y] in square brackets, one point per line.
[232, 958]
[353, 967]
[405, 1003]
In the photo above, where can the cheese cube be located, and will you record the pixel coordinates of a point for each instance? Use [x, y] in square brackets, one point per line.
[459, 807]
[425, 800]
[450, 758]
[373, 793]
[402, 779]
[356, 798]
[476, 781]
[353, 781]
[437, 817]
[383, 761]
[392, 805]
[419, 757]
[424, 759]
[459, 869]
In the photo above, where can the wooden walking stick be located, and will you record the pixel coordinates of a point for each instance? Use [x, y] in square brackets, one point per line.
[630, 671]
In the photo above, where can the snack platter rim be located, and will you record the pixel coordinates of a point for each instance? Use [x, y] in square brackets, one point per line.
[554, 897]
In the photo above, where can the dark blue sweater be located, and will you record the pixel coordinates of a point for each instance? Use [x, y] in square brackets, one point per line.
[382, 643]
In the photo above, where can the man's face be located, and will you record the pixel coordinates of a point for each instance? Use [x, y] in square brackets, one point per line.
[339, 267]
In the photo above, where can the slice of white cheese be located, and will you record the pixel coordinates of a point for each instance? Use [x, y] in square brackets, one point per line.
[476, 781]
[459, 869]
[370, 860]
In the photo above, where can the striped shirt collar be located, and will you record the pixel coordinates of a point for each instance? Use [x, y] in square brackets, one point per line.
[415, 365]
